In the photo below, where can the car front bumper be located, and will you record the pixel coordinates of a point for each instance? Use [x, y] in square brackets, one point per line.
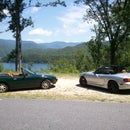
[125, 86]
[54, 81]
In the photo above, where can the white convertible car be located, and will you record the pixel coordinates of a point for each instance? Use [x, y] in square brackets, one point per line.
[113, 78]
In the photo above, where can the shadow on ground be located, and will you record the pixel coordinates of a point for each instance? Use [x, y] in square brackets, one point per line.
[95, 88]
[27, 89]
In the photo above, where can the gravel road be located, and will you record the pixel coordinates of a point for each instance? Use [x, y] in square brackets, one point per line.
[68, 87]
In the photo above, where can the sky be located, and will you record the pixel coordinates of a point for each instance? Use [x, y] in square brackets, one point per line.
[55, 24]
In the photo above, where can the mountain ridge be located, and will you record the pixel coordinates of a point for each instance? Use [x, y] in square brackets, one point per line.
[7, 45]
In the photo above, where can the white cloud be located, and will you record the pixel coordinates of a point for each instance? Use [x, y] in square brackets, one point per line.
[72, 21]
[35, 9]
[40, 32]
[6, 12]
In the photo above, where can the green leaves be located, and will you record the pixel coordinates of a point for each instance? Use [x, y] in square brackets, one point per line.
[113, 18]
[2, 7]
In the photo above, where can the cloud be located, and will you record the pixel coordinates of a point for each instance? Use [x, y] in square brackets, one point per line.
[72, 21]
[40, 32]
[6, 12]
[35, 9]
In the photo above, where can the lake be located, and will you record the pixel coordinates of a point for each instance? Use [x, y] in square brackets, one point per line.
[34, 66]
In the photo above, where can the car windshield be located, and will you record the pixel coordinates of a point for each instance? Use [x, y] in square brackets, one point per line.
[28, 72]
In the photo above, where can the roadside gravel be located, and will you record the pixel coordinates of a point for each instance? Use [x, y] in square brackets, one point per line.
[68, 88]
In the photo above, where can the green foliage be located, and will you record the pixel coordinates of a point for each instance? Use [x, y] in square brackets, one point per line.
[113, 18]
[83, 57]
[64, 66]
[124, 53]
[2, 7]
[1, 67]
[98, 52]
[11, 56]
[83, 61]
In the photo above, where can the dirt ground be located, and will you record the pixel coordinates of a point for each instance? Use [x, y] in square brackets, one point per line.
[69, 88]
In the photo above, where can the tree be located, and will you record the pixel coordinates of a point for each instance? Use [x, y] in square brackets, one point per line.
[18, 23]
[114, 17]
[83, 61]
[2, 7]
[97, 48]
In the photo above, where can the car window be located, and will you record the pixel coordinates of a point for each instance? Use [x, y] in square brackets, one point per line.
[99, 71]
[104, 71]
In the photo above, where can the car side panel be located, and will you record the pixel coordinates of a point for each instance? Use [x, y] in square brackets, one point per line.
[102, 80]
[96, 79]
[21, 82]
[28, 82]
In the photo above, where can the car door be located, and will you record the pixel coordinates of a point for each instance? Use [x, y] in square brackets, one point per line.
[91, 78]
[20, 82]
[100, 80]
[99, 77]
[32, 81]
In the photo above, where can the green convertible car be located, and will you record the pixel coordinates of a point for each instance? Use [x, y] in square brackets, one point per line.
[27, 79]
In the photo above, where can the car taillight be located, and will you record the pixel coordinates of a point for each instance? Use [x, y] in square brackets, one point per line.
[126, 80]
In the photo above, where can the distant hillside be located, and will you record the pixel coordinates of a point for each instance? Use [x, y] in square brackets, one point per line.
[7, 45]
[51, 55]
[59, 44]
[37, 54]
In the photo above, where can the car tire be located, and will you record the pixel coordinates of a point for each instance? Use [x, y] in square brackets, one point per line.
[45, 84]
[113, 87]
[3, 88]
[83, 81]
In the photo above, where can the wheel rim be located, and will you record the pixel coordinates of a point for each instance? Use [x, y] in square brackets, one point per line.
[45, 84]
[3, 88]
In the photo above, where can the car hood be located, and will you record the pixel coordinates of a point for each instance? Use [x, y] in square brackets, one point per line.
[46, 76]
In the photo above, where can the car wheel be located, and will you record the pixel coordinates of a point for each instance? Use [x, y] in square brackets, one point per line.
[45, 84]
[113, 87]
[83, 81]
[3, 88]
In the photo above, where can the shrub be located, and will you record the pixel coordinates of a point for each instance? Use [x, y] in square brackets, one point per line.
[64, 66]
[1, 67]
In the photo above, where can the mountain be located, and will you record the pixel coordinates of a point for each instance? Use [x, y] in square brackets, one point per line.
[52, 55]
[7, 45]
[58, 44]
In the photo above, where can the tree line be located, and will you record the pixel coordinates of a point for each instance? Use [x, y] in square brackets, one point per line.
[83, 57]
[110, 46]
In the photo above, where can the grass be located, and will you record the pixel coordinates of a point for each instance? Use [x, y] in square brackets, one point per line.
[60, 96]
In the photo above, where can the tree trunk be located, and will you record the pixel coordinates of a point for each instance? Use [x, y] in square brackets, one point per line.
[16, 48]
[18, 60]
[18, 63]
[112, 54]
[20, 53]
